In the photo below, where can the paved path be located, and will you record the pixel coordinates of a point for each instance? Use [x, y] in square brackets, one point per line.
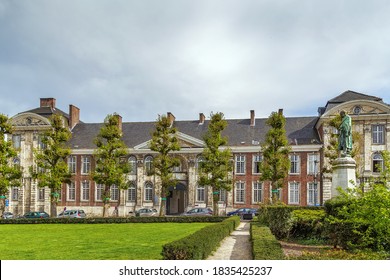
[237, 246]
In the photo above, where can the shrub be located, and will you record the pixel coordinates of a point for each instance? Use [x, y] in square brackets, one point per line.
[307, 223]
[200, 244]
[264, 244]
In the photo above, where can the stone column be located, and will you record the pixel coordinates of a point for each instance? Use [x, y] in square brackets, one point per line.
[344, 174]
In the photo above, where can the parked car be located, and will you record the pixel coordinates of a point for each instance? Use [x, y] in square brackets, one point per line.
[72, 214]
[7, 215]
[36, 215]
[241, 211]
[146, 212]
[199, 211]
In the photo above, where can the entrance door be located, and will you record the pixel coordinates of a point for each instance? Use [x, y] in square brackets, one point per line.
[176, 199]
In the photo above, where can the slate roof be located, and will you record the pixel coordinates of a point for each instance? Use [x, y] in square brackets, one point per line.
[299, 130]
[350, 95]
[47, 112]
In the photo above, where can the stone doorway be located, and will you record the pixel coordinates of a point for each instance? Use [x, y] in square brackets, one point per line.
[176, 199]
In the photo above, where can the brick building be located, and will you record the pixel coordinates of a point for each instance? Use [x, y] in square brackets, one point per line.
[308, 183]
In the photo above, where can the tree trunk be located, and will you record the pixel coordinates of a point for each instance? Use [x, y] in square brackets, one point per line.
[53, 207]
[215, 203]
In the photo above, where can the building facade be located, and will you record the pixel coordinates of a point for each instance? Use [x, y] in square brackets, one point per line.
[308, 182]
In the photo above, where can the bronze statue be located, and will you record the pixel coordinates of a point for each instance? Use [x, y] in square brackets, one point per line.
[345, 135]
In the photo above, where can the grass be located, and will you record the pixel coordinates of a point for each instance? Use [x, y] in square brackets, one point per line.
[90, 241]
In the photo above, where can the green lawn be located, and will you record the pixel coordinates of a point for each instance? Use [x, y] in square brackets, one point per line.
[90, 241]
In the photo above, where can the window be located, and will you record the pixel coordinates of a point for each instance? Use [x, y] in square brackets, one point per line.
[85, 165]
[85, 190]
[377, 163]
[132, 192]
[240, 164]
[378, 134]
[240, 192]
[41, 145]
[149, 165]
[312, 164]
[257, 193]
[114, 193]
[293, 193]
[200, 193]
[222, 195]
[72, 164]
[133, 165]
[41, 194]
[313, 194]
[148, 191]
[177, 168]
[294, 168]
[71, 191]
[257, 159]
[14, 193]
[99, 192]
[16, 140]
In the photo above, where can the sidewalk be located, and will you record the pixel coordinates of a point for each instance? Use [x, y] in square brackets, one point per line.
[237, 246]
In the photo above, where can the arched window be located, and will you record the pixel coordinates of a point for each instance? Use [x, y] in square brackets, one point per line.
[133, 165]
[132, 192]
[148, 191]
[149, 165]
[377, 163]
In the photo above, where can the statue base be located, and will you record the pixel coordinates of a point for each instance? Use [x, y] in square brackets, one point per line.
[344, 174]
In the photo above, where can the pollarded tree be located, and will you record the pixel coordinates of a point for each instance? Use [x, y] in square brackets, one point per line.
[275, 150]
[164, 141]
[216, 164]
[51, 160]
[111, 167]
[10, 173]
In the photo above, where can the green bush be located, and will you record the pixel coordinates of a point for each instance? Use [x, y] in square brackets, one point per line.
[264, 244]
[307, 223]
[200, 244]
[117, 220]
[341, 255]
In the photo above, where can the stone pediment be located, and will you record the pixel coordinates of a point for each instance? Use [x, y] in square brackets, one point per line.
[29, 120]
[185, 141]
[359, 107]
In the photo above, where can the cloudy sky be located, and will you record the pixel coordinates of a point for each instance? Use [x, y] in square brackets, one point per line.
[144, 58]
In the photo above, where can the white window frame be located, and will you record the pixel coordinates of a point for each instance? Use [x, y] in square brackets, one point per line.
[114, 193]
[256, 161]
[85, 190]
[312, 164]
[257, 192]
[240, 164]
[85, 165]
[295, 164]
[133, 165]
[200, 193]
[294, 192]
[132, 192]
[72, 164]
[15, 193]
[41, 194]
[378, 134]
[148, 165]
[222, 195]
[71, 191]
[99, 190]
[377, 159]
[313, 197]
[148, 192]
[239, 192]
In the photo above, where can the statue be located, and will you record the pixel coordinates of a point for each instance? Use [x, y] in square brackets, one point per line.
[345, 135]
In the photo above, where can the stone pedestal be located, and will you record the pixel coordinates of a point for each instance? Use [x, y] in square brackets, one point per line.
[344, 174]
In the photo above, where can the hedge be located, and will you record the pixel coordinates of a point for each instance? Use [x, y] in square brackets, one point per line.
[264, 244]
[201, 244]
[117, 220]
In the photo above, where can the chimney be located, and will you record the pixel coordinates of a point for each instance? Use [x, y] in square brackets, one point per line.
[252, 117]
[74, 116]
[171, 117]
[280, 111]
[48, 102]
[201, 118]
[119, 121]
